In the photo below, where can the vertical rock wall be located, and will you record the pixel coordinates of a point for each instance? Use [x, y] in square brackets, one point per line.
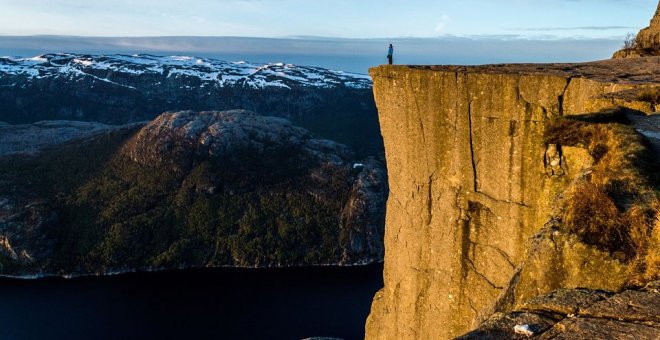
[468, 187]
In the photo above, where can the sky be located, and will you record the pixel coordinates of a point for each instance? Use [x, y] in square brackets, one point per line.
[349, 35]
[530, 19]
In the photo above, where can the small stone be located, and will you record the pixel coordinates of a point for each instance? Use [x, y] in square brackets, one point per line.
[523, 329]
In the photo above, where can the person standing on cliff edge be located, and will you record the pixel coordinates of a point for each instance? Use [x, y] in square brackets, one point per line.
[390, 52]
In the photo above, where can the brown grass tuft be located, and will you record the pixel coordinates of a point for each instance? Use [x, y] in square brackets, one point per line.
[615, 206]
[651, 95]
[652, 257]
[647, 237]
[591, 214]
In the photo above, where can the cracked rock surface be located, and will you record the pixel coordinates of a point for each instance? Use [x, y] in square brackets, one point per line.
[580, 314]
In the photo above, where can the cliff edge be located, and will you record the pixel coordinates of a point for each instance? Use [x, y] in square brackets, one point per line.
[510, 181]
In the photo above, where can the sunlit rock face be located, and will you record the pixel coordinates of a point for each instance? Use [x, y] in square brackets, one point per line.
[474, 187]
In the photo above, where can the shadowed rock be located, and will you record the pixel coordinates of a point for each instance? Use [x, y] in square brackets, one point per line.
[580, 314]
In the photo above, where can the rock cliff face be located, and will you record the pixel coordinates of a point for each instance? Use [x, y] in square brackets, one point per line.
[647, 42]
[229, 188]
[476, 186]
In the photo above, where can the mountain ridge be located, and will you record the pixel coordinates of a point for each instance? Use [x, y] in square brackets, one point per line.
[120, 89]
[222, 72]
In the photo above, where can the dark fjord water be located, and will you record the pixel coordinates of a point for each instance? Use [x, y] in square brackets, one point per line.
[290, 303]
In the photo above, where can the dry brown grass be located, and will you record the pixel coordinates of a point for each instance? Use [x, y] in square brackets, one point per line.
[651, 260]
[646, 234]
[651, 95]
[592, 214]
[615, 206]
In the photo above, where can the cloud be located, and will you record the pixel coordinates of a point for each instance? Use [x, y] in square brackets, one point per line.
[579, 28]
[442, 24]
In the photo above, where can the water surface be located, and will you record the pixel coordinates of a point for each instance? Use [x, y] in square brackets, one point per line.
[192, 304]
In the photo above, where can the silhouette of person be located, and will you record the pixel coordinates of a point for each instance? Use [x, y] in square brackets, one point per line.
[390, 53]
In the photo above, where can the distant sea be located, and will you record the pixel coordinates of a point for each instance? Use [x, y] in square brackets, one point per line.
[352, 55]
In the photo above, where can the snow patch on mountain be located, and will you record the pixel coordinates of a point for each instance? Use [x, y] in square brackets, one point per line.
[221, 73]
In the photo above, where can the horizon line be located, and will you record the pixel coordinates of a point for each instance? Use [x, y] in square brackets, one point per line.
[327, 38]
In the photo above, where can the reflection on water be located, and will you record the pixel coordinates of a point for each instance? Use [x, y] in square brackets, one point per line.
[193, 304]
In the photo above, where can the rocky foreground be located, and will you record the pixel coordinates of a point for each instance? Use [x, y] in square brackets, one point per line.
[579, 314]
[212, 188]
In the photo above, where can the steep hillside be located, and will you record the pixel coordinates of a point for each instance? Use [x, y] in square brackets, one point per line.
[118, 89]
[511, 181]
[228, 188]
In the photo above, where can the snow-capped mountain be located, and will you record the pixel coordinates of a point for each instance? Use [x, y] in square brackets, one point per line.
[120, 89]
[219, 73]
